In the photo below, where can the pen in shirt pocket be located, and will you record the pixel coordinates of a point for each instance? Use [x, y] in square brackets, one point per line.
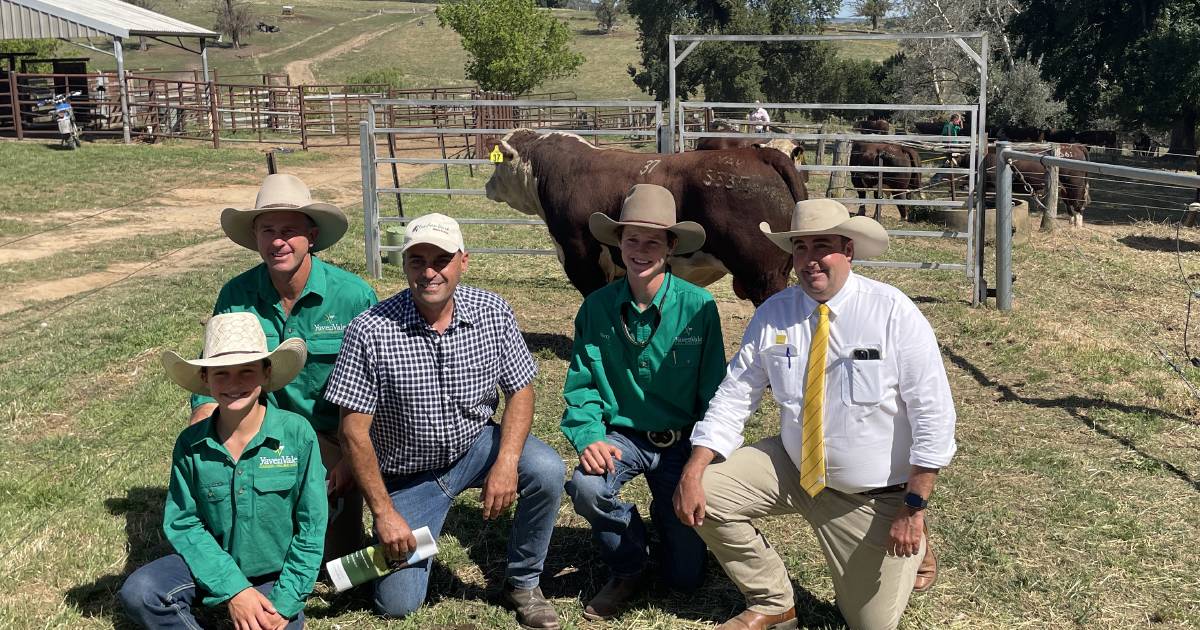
[788, 351]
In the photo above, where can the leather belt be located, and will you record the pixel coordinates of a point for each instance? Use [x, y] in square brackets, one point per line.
[899, 487]
[659, 439]
[663, 439]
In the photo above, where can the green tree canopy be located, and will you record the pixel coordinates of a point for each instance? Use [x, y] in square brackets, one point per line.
[1139, 61]
[874, 9]
[511, 45]
[729, 71]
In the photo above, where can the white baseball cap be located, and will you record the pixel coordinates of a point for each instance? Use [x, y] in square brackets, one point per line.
[436, 229]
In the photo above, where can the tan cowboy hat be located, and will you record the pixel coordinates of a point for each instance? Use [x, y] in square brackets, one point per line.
[651, 206]
[814, 217]
[284, 192]
[236, 339]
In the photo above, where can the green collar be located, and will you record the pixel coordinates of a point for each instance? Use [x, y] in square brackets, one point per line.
[268, 433]
[317, 282]
[625, 294]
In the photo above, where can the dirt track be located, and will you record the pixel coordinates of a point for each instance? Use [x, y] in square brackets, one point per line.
[300, 71]
[193, 207]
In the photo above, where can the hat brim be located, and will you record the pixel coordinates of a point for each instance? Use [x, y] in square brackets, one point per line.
[870, 239]
[286, 362]
[331, 223]
[689, 235]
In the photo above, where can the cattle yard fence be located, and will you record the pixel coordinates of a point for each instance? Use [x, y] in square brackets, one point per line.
[455, 133]
[240, 108]
[1004, 185]
[682, 129]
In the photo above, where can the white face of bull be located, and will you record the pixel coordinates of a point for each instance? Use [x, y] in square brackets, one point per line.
[513, 182]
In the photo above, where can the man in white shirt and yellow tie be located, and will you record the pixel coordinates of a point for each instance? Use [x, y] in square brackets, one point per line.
[867, 420]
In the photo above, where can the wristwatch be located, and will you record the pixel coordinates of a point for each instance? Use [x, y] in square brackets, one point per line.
[915, 501]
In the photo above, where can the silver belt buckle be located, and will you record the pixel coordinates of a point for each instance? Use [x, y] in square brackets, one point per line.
[663, 439]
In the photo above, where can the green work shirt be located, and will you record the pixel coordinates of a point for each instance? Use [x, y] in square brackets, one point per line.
[262, 515]
[637, 374]
[331, 298]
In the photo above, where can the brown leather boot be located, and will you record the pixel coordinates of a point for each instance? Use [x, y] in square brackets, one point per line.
[612, 598]
[927, 572]
[750, 620]
[533, 611]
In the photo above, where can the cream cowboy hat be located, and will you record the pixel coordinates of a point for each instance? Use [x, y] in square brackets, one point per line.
[815, 217]
[284, 192]
[236, 339]
[651, 206]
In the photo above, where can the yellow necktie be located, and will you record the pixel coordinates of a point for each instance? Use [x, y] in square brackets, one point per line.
[812, 460]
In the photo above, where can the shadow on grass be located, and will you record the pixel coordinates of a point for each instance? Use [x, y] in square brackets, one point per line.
[560, 345]
[143, 511]
[1156, 244]
[574, 570]
[1077, 406]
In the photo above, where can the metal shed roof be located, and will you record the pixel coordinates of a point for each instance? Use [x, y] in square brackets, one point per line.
[68, 19]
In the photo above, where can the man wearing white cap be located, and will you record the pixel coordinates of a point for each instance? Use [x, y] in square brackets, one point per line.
[417, 382]
[867, 421]
[295, 294]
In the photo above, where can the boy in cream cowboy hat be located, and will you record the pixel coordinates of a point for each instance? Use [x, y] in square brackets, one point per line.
[296, 294]
[648, 354]
[246, 506]
[867, 421]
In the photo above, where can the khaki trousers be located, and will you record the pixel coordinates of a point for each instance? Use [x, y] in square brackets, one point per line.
[344, 533]
[760, 480]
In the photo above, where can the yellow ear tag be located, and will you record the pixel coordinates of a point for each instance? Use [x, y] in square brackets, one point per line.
[780, 338]
[496, 156]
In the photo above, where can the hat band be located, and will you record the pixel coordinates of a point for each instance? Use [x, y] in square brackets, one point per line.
[663, 225]
[225, 354]
[279, 205]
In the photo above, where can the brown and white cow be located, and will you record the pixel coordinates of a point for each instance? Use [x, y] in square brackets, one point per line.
[791, 148]
[563, 179]
[895, 184]
[1029, 177]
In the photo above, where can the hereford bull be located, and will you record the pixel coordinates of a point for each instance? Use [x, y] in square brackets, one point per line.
[1029, 177]
[791, 148]
[563, 179]
[904, 184]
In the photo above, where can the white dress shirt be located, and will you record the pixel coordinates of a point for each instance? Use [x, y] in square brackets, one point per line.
[887, 399]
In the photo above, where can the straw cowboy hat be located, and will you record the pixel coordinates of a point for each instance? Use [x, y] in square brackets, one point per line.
[650, 206]
[815, 217]
[284, 192]
[236, 339]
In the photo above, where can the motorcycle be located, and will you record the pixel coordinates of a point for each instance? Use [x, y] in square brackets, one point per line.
[68, 131]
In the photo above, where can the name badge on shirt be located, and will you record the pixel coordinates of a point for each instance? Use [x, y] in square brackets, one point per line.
[780, 339]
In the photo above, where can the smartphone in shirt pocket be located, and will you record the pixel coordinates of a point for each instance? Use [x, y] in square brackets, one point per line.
[866, 374]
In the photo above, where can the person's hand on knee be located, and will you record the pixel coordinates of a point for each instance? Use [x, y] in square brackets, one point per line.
[251, 610]
[598, 458]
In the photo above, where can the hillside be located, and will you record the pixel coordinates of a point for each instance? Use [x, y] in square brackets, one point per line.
[336, 40]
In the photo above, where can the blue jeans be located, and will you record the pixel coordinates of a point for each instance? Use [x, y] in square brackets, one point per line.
[424, 499]
[160, 595]
[617, 527]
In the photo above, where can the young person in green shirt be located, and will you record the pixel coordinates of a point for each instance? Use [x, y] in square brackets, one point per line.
[295, 294]
[246, 507]
[647, 357]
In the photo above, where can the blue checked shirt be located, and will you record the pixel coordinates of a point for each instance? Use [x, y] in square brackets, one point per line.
[431, 395]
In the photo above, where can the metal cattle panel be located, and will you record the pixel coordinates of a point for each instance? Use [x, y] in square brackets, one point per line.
[457, 129]
[974, 143]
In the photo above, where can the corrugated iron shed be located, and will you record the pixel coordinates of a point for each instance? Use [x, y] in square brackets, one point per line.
[69, 19]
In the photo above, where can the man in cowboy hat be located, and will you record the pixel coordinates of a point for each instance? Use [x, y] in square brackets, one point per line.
[246, 508]
[296, 294]
[867, 421]
[648, 355]
[417, 381]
